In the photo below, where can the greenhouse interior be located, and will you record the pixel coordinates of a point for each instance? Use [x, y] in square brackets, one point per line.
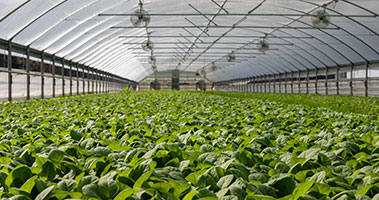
[189, 99]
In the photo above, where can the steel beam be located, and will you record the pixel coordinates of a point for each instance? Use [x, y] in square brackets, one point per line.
[232, 14]
[54, 79]
[10, 77]
[27, 74]
[42, 70]
[63, 81]
[70, 78]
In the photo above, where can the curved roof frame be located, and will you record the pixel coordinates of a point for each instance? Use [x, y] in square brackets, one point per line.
[342, 42]
[105, 49]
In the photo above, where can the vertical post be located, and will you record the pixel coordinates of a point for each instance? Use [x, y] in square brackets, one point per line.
[70, 78]
[326, 81]
[10, 77]
[88, 80]
[351, 80]
[285, 82]
[77, 79]
[279, 83]
[63, 81]
[338, 80]
[93, 80]
[269, 83]
[316, 82]
[83, 80]
[42, 70]
[307, 84]
[28, 73]
[265, 83]
[299, 82]
[97, 82]
[107, 82]
[292, 82]
[53, 71]
[274, 81]
[366, 79]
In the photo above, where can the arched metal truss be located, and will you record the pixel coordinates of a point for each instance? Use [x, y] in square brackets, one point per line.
[99, 35]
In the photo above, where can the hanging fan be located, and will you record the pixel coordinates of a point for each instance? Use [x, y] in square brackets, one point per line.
[154, 67]
[231, 57]
[152, 60]
[320, 19]
[148, 45]
[140, 18]
[213, 67]
[203, 74]
[263, 46]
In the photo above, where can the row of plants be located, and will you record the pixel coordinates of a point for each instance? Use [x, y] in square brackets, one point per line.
[181, 145]
[346, 104]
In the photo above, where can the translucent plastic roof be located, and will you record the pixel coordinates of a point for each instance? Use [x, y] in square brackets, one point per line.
[191, 34]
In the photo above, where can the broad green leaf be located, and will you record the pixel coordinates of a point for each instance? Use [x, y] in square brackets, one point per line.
[29, 184]
[142, 179]
[45, 193]
[190, 195]
[302, 189]
[225, 181]
[124, 194]
[66, 185]
[108, 188]
[56, 155]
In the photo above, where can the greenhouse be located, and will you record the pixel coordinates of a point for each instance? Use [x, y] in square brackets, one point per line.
[189, 99]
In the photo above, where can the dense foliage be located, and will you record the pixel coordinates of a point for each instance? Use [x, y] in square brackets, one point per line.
[178, 145]
[346, 104]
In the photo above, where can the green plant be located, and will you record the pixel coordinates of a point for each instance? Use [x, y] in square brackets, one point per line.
[181, 145]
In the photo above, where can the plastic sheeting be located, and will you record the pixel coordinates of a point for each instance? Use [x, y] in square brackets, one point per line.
[75, 30]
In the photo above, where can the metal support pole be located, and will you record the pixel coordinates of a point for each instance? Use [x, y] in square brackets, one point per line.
[92, 80]
[274, 81]
[77, 79]
[338, 80]
[351, 80]
[83, 79]
[88, 80]
[27, 73]
[307, 84]
[316, 82]
[97, 82]
[280, 83]
[285, 82]
[70, 78]
[63, 81]
[42, 70]
[299, 83]
[292, 82]
[326, 81]
[107, 82]
[10, 77]
[53, 71]
[366, 79]
[269, 83]
[265, 82]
